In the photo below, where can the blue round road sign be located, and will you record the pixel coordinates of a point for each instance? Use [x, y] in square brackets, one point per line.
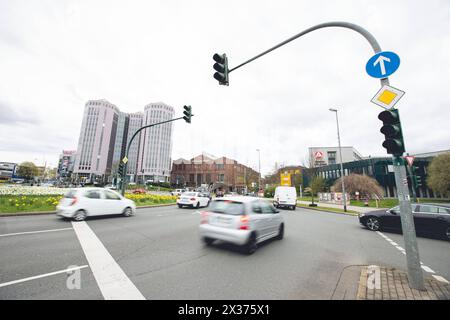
[383, 64]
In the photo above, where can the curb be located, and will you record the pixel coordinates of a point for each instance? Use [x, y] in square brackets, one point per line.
[41, 213]
[327, 211]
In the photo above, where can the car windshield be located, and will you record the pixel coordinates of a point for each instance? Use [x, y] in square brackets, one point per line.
[190, 194]
[227, 207]
[70, 194]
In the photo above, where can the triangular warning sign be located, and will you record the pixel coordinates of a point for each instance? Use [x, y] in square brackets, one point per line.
[410, 160]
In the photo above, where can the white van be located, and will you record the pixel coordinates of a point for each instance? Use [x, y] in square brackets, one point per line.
[285, 197]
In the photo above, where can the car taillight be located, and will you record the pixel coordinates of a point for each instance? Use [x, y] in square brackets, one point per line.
[74, 201]
[244, 223]
[205, 217]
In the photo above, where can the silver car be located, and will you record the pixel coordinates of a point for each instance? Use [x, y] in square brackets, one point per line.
[244, 221]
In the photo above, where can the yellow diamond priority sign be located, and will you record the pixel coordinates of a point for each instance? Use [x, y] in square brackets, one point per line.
[387, 97]
[125, 160]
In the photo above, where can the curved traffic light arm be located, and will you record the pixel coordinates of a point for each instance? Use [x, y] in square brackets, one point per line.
[366, 34]
[131, 141]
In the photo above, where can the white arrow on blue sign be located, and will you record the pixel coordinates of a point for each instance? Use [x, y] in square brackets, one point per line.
[383, 64]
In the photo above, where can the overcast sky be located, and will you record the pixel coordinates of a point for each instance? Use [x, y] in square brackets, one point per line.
[56, 55]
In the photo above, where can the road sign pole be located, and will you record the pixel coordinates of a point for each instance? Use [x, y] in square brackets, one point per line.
[415, 275]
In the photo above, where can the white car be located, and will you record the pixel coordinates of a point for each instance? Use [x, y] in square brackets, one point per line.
[85, 202]
[242, 220]
[193, 199]
[285, 197]
[177, 192]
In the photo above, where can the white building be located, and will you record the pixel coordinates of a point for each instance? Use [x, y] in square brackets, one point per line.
[155, 156]
[323, 156]
[96, 141]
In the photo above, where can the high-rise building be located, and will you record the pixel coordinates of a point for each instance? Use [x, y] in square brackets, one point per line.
[96, 142]
[106, 133]
[135, 123]
[121, 138]
[155, 156]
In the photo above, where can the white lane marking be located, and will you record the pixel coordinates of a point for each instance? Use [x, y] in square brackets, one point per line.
[32, 232]
[424, 267]
[439, 278]
[112, 281]
[41, 276]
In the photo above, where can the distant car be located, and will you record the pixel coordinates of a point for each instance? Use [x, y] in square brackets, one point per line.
[244, 221]
[285, 197]
[206, 194]
[231, 194]
[85, 202]
[193, 199]
[219, 193]
[429, 218]
[177, 192]
[139, 191]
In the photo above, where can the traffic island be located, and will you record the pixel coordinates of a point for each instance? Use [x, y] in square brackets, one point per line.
[383, 283]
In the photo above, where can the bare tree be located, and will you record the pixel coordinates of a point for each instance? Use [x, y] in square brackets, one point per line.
[365, 185]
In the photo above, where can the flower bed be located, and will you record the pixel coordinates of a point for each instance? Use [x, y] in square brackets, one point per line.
[148, 199]
[31, 190]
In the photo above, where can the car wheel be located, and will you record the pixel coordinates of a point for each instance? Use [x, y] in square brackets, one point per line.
[207, 204]
[447, 233]
[373, 223]
[127, 212]
[208, 241]
[251, 245]
[180, 206]
[198, 205]
[294, 207]
[280, 232]
[80, 215]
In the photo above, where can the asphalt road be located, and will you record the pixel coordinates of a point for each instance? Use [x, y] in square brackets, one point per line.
[160, 255]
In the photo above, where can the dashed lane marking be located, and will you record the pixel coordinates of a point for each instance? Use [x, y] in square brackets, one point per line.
[422, 265]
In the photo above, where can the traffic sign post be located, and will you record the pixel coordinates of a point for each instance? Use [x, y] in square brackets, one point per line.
[380, 66]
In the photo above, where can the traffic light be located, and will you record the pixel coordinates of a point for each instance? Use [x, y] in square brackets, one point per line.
[392, 131]
[418, 181]
[120, 169]
[221, 66]
[187, 113]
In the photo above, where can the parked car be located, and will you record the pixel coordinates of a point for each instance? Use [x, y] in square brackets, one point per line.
[193, 199]
[177, 192]
[285, 197]
[85, 202]
[139, 191]
[245, 221]
[429, 218]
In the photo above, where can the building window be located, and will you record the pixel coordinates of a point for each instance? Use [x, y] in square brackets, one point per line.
[331, 157]
[219, 166]
[221, 177]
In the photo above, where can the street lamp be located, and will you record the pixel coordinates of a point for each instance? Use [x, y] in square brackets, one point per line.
[344, 198]
[259, 161]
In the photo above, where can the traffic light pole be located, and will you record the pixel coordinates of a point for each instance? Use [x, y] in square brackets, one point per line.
[124, 180]
[415, 275]
[412, 178]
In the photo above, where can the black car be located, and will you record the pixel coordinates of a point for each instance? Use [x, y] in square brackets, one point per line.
[429, 218]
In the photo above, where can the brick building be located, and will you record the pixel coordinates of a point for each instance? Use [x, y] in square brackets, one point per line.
[217, 173]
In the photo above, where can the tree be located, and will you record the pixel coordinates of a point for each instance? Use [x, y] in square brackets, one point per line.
[317, 184]
[27, 170]
[439, 175]
[365, 185]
